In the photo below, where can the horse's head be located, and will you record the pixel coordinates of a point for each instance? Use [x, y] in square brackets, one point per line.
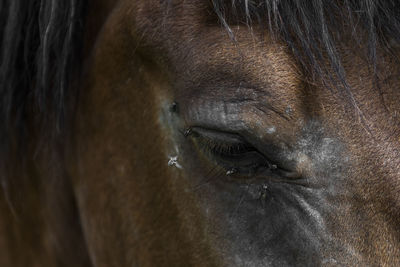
[239, 133]
[231, 145]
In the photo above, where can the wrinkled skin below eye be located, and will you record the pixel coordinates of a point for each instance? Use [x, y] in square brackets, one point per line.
[276, 223]
[270, 221]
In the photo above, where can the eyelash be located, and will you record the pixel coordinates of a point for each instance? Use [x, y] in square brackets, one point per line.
[237, 158]
[225, 149]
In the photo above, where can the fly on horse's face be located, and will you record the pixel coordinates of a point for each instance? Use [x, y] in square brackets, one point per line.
[207, 133]
[200, 146]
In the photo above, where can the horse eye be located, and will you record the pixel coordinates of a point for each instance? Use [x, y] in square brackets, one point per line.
[231, 152]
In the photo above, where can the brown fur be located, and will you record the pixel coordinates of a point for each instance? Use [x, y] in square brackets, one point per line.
[136, 210]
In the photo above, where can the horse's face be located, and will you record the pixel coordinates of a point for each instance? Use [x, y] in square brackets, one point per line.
[197, 149]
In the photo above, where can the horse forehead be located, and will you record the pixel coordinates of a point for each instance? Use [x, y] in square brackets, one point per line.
[190, 37]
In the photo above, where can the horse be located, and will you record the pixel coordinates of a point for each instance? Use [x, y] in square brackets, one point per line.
[200, 133]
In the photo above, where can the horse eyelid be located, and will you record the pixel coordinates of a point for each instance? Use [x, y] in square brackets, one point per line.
[237, 158]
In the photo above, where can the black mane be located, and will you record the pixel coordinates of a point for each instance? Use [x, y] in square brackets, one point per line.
[42, 39]
[312, 29]
[39, 53]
